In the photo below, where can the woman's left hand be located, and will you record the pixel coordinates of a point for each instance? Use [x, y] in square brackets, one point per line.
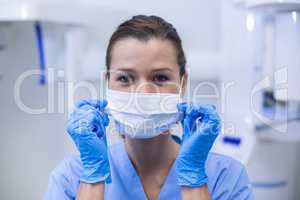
[201, 126]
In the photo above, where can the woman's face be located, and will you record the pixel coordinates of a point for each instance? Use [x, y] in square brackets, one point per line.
[144, 66]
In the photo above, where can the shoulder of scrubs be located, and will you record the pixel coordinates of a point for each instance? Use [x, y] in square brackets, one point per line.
[227, 178]
[64, 179]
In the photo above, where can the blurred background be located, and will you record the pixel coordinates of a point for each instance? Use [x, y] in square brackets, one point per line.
[243, 56]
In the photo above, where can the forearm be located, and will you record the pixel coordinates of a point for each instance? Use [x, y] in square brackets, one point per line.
[200, 193]
[89, 191]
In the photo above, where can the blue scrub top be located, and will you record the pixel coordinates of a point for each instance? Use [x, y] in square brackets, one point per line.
[227, 179]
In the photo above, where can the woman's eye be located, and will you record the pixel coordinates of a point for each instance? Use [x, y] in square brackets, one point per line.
[160, 78]
[124, 79]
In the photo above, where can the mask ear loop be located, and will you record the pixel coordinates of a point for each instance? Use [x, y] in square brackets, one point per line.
[105, 90]
[181, 89]
[178, 124]
[104, 86]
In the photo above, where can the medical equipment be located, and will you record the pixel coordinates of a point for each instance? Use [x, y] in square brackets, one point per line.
[273, 26]
[41, 53]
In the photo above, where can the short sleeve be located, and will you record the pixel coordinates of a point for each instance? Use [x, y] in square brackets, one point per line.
[64, 180]
[228, 179]
[242, 189]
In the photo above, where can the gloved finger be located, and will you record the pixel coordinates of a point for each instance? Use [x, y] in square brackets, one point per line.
[90, 118]
[182, 106]
[102, 104]
[98, 104]
[98, 122]
[80, 113]
[83, 110]
[209, 126]
[202, 113]
[84, 124]
[104, 117]
[99, 129]
[85, 137]
[194, 111]
[210, 114]
[208, 135]
[71, 127]
[81, 103]
[100, 112]
[78, 130]
[186, 129]
[215, 125]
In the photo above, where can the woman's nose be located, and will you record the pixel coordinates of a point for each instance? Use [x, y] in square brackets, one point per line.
[147, 87]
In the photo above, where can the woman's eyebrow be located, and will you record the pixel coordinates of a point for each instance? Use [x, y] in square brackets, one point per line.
[120, 70]
[163, 69]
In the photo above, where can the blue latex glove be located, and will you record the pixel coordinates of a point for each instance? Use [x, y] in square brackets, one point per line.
[87, 126]
[201, 126]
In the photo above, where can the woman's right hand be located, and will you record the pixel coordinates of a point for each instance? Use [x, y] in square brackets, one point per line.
[86, 126]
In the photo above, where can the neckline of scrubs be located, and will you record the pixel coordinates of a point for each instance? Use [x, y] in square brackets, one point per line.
[169, 186]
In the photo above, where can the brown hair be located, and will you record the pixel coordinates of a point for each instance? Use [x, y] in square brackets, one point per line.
[143, 28]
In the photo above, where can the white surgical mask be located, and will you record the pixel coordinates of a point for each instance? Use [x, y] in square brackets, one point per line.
[143, 115]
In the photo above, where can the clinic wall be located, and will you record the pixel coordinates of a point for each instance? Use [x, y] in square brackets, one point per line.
[30, 145]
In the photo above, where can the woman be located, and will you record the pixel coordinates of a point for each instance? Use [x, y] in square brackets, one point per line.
[145, 58]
